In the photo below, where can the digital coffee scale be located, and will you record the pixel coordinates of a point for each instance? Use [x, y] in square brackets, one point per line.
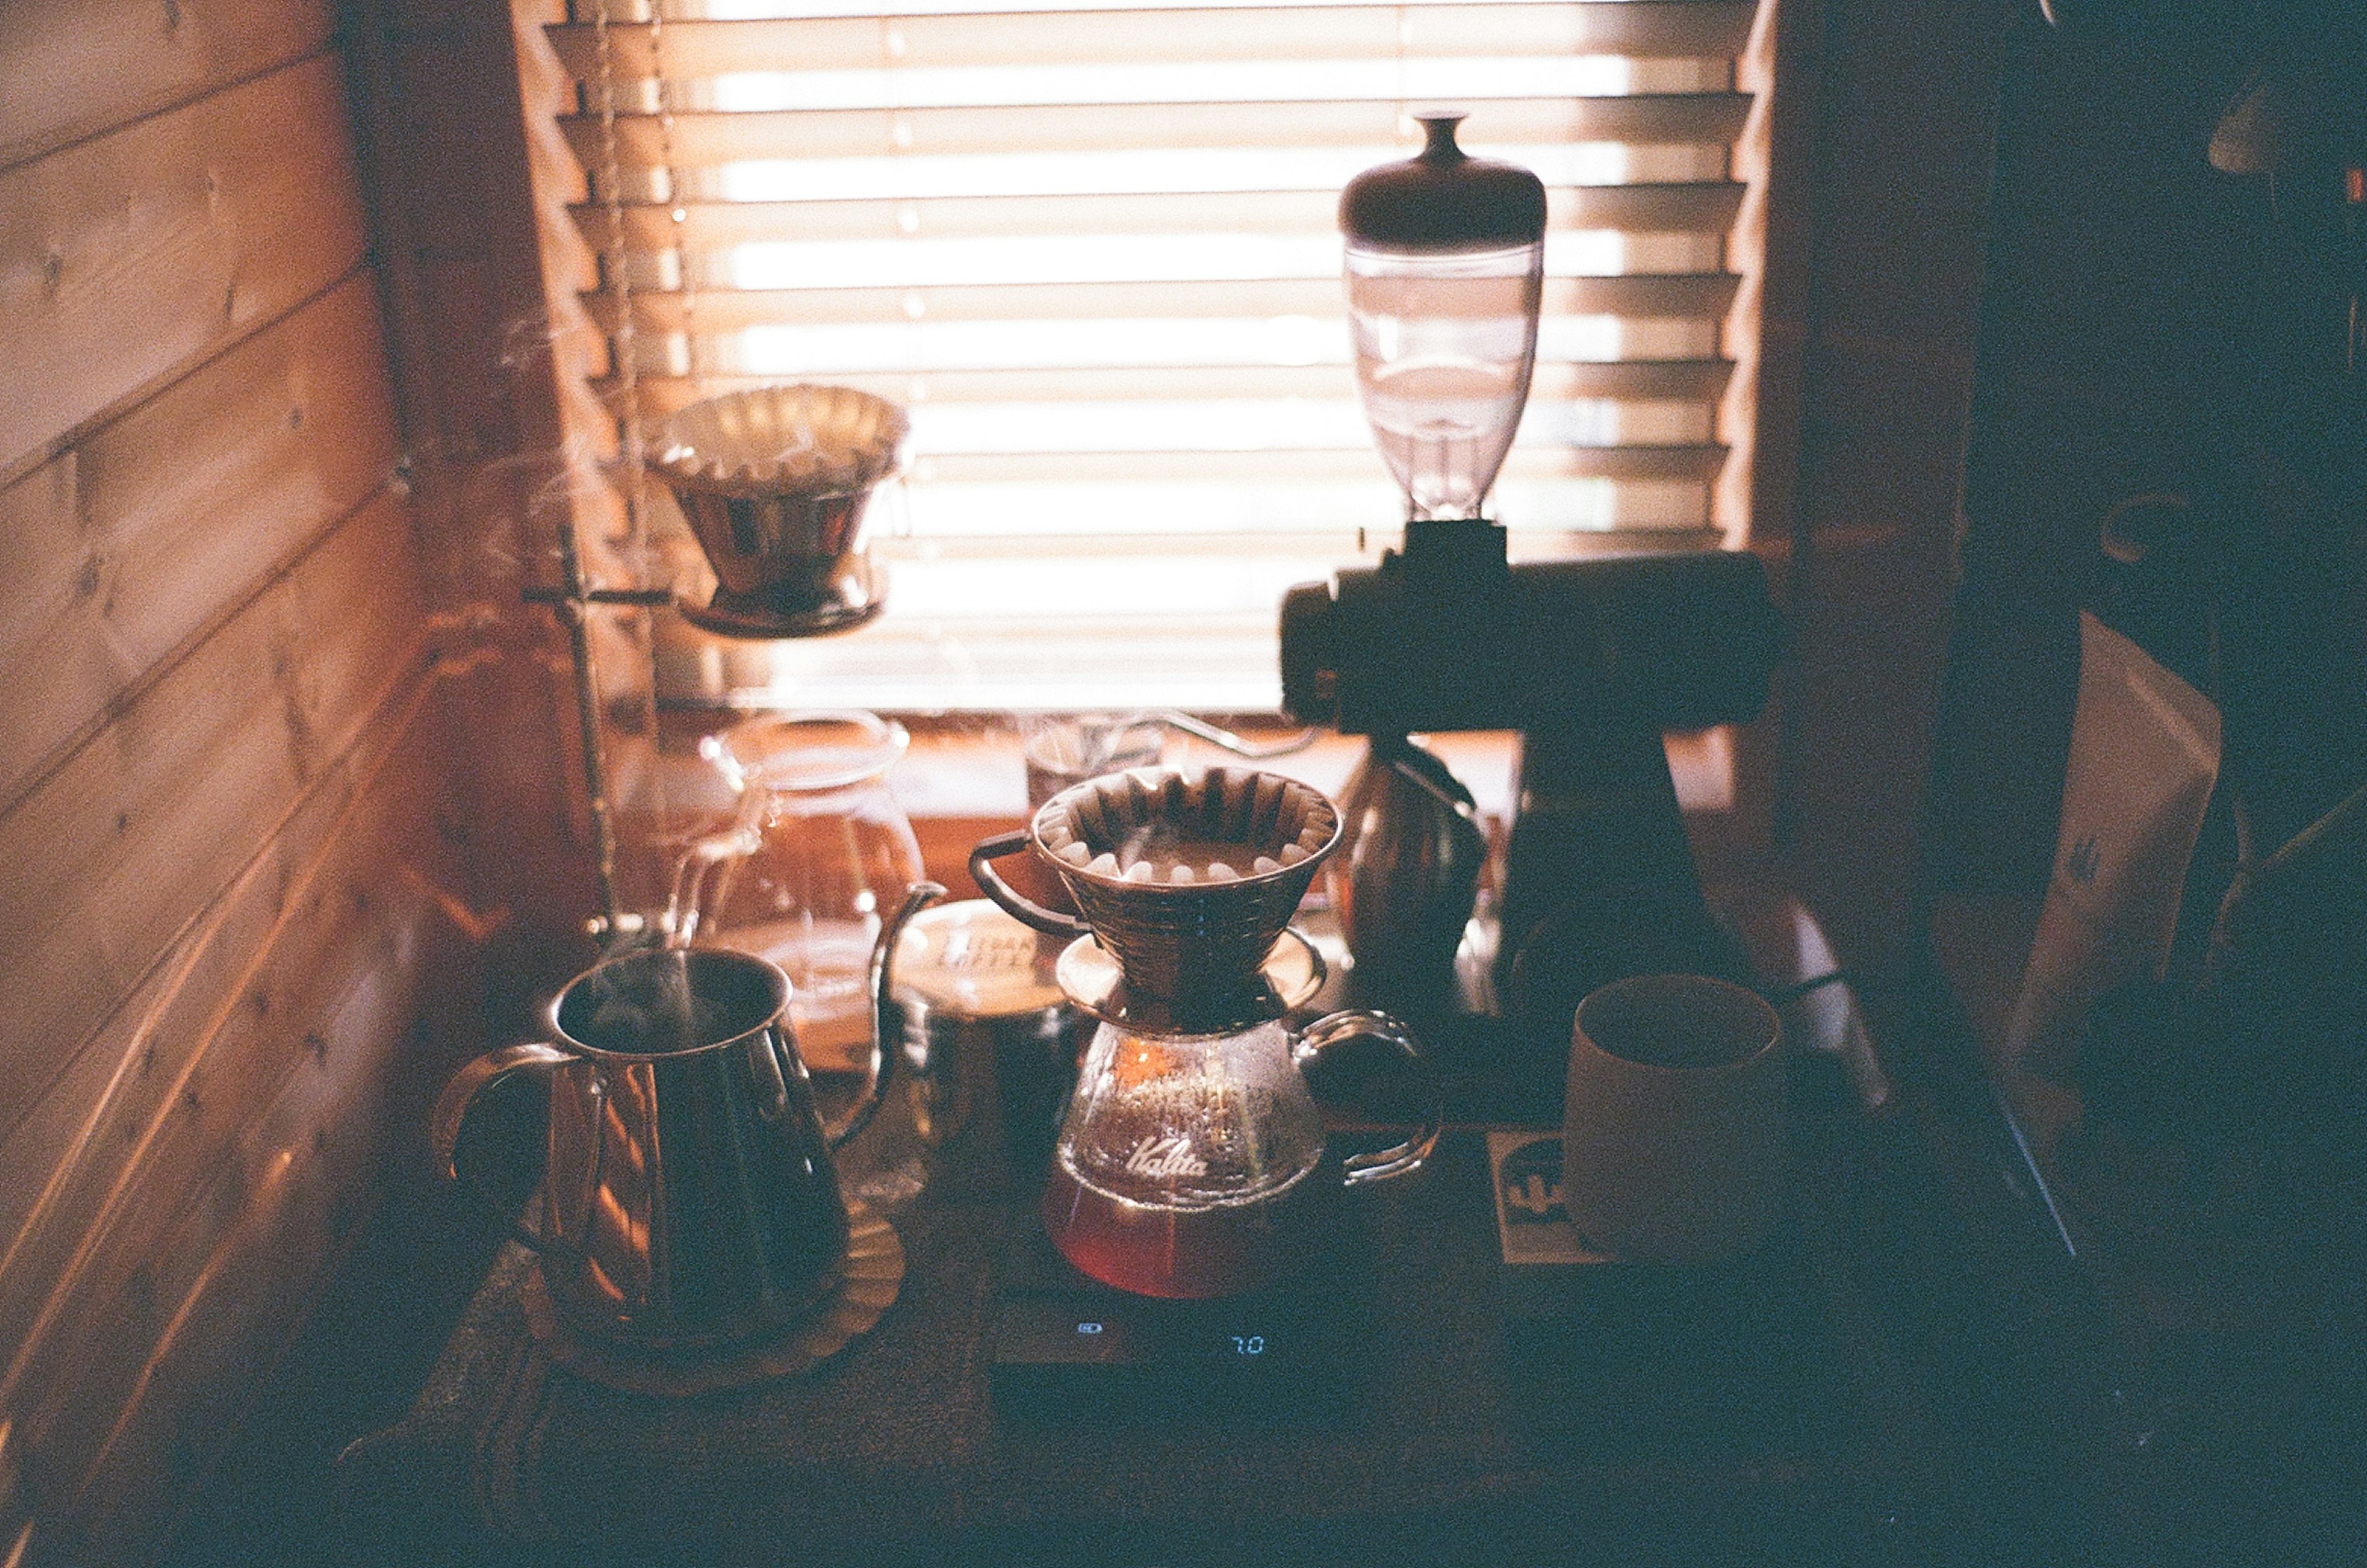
[1061, 1337]
[1735, 1346]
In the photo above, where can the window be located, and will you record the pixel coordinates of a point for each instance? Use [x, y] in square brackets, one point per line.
[1091, 246]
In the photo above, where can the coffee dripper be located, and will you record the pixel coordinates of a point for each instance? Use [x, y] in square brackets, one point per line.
[1191, 1160]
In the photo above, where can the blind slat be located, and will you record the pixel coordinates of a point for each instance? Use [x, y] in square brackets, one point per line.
[1698, 296]
[1309, 465]
[1691, 382]
[1672, 463]
[1315, 467]
[882, 175]
[1223, 512]
[622, 12]
[1551, 75]
[643, 141]
[1633, 29]
[923, 262]
[1703, 207]
[1288, 546]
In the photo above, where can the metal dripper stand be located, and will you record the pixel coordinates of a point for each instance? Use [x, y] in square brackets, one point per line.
[776, 485]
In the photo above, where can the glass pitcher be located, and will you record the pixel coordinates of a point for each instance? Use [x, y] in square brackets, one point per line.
[820, 854]
[1191, 1166]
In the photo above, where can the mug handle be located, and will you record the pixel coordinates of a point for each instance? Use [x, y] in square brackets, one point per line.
[452, 1111]
[1016, 903]
[886, 1019]
[1382, 1164]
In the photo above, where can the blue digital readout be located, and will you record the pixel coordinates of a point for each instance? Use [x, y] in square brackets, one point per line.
[1089, 1328]
[1249, 1344]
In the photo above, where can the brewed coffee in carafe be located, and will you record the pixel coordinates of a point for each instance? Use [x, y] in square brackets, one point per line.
[1183, 1167]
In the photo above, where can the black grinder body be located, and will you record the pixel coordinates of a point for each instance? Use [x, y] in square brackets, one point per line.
[1590, 661]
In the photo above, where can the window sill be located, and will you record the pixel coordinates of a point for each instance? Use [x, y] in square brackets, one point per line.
[963, 780]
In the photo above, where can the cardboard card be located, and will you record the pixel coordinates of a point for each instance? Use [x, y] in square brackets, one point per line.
[1533, 1229]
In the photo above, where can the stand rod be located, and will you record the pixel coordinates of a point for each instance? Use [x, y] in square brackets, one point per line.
[574, 599]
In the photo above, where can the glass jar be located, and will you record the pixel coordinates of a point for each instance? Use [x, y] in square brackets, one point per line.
[822, 854]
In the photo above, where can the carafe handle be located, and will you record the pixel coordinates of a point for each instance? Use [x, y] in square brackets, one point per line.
[694, 884]
[1016, 903]
[1333, 1028]
[886, 1020]
[452, 1112]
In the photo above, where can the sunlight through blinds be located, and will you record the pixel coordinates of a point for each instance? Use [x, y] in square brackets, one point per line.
[1093, 248]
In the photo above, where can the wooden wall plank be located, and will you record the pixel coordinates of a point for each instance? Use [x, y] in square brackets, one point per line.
[240, 966]
[126, 259]
[102, 64]
[134, 1368]
[225, 787]
[56, 1164]
[198, 1382]
[329, 1037]
[103, 864]
[134, 541]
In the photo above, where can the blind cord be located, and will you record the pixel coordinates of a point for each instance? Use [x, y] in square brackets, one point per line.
[623, 348]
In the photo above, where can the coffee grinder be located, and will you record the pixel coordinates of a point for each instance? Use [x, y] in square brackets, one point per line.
[1590, 661]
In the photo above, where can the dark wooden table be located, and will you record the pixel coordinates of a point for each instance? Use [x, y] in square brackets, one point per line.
[1892, 1382]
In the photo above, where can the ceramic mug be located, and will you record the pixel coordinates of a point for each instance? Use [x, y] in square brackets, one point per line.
[1673, 1147]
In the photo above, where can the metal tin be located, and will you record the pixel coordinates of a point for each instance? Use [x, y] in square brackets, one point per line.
[984, 1013]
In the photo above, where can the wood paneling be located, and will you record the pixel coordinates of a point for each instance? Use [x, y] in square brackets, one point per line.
[234, 910]
[174, 1048]
[126, 259]
[105, 862]
[1896, 200]
[200, 1218]
[93, 65]
[141, 537]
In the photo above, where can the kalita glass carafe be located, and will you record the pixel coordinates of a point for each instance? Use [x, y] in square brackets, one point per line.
[1191, 1166]
[1191, 1162]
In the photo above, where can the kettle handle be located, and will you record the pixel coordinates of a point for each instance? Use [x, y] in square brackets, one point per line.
[1330, 1031]
[1016, 903]
[452, 1112]
[886, 1020]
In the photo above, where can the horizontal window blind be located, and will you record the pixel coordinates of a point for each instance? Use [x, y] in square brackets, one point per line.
[1093, 248]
